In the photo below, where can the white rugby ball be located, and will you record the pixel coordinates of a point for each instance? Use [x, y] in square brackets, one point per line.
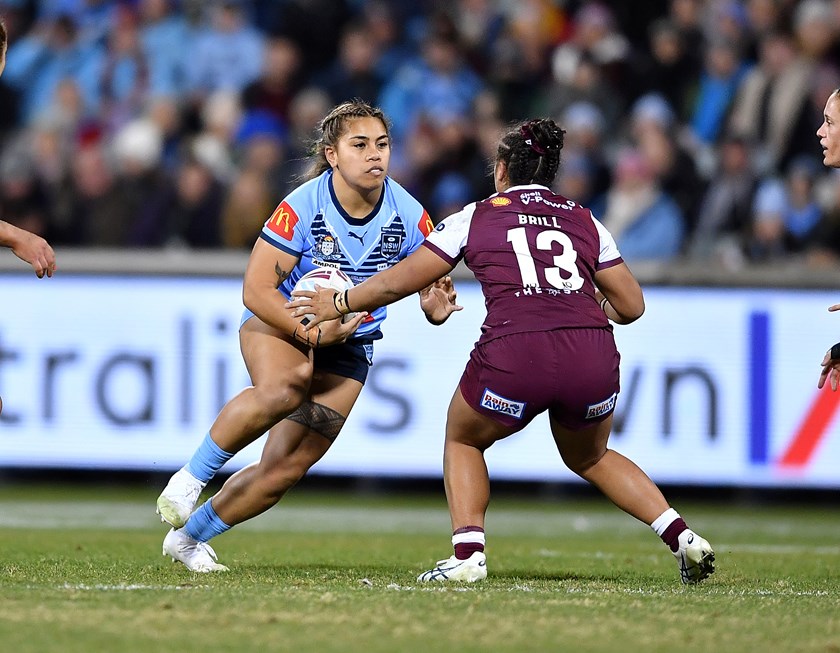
[326, 278]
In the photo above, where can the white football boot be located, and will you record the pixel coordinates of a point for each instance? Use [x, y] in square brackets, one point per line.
[177, 501]
[695, 558]
[467, 571]
[196, 556]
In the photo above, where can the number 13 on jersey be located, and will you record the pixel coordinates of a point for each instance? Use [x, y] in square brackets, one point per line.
[563, 276]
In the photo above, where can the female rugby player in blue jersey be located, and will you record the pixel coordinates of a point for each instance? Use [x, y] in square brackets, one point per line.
[552, 278]
[349, 215]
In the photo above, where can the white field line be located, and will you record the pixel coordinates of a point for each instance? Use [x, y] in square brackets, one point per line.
[133, 515]
[502, 521]
[524, 588]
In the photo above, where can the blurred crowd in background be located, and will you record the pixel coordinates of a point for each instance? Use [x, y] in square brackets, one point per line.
[690, 124]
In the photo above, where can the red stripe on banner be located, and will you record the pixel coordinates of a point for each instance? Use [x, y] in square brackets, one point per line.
[812, 429]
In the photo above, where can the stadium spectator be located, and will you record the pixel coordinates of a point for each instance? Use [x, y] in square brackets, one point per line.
[124, 77]
[669, 69]
[771, 107]
[437, 86]
[185, 213]
[766, 239]
[816, 31]
[596, 36]
[655, 132]
[725, 210]
[98, 215]
[519, 58]
[543, 315]
[349, 215]
[354, 73]
[803, 214]
[166, 36]
[585, 127]
[278, 82]
[249, 198]
[723, 70]
[645, 221]
[50, 53]
[577, 81]
[315, 26]
[226, 55]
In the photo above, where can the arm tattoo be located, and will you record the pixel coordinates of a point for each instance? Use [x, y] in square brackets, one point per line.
[282, 274]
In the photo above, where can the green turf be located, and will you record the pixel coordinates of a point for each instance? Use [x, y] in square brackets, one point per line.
[81, 570]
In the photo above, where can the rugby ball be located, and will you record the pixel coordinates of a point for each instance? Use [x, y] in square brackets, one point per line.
[326, 278]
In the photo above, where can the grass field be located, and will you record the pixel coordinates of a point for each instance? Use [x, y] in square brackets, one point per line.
[81, 570]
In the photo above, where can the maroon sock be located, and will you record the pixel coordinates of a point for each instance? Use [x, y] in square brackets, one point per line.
[673, 532]
[464, 550]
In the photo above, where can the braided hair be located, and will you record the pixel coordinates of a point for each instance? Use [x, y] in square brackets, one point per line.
[333, 127]
[531, 152]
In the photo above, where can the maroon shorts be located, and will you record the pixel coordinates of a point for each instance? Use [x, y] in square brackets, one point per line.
[572, 373]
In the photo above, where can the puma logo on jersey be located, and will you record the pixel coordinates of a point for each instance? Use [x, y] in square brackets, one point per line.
[361, 238]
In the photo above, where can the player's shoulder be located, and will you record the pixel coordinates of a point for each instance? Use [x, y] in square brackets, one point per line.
[402, 200]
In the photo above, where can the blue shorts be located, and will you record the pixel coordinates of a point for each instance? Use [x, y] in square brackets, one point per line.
[351, 359]
[571, 373]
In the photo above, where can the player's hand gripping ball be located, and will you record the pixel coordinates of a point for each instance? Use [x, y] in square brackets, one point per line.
[326, 278]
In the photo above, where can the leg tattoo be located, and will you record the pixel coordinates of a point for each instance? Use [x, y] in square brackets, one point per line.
[321, 419]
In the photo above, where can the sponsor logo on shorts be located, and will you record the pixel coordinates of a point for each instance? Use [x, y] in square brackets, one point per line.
[499, 404]
[500, 201]
[602, 408]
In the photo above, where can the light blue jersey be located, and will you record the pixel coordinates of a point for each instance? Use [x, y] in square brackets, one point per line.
[311, 224]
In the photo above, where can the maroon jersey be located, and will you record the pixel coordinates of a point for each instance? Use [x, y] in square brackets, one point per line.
[535, 255]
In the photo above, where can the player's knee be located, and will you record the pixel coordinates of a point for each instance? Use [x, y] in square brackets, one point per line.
[580, 464]
[279, 400]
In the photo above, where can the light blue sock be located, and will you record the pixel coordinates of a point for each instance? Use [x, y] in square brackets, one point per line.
[205, 524]
[207, 460]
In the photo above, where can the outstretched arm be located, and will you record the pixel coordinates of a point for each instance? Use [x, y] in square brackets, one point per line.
[31, 248]
[439, 300]
[417, 272]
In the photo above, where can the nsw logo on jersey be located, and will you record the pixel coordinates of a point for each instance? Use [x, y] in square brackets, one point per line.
[282, 222]
[391, 240]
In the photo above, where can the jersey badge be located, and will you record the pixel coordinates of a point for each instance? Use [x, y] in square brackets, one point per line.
[391, 240]
[282, 222]
[500, 201]
[327, 248]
